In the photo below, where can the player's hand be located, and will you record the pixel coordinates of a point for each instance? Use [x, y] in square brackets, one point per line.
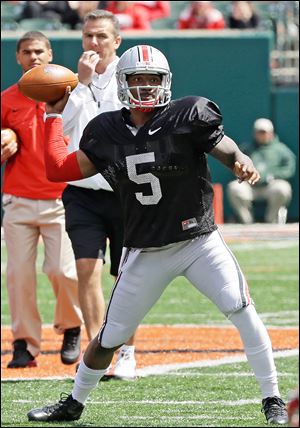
[58, 106]
[246, 172]
[8, 150]
[86, 66]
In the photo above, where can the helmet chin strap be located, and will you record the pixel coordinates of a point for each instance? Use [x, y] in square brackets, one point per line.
[144, 109]
[143, 105]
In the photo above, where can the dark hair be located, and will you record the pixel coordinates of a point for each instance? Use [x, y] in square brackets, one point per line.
[34, 35]
[103, 14]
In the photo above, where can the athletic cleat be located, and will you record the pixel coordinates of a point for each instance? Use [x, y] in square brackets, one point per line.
[125, 367]
[70, 350]
[21, 357]
[275, 410]
[67, 409]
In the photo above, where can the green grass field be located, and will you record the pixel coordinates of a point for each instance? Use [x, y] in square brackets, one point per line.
[221, 396]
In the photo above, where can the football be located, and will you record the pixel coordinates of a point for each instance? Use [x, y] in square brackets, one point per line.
[47, 82]
[7, 136]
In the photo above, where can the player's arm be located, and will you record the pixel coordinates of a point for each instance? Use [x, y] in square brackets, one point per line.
[227, 152]
[60, 165]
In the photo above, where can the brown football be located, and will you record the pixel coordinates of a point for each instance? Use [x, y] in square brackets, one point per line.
[7, 136]
[47, 82]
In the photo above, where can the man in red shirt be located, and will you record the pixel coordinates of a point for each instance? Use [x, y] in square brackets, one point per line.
[32, 209]
[131, 16]
[201, 15]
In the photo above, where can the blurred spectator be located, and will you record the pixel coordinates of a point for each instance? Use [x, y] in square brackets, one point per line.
[15, 3]
[156, 9]
[44, 9]
[12, 10]
[103, 4]
[83, 8]
[284, 16]
[243, 15]
[63, 11]
[131, 16]
[201, 15]
[276, 164]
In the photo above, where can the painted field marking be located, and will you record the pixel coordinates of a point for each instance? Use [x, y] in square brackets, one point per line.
[165, 368]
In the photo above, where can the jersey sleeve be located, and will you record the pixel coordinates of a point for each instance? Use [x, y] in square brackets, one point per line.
[206, 122]
[92, 143]
[88, 142]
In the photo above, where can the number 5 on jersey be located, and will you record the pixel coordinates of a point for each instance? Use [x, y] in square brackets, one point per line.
[131, 162]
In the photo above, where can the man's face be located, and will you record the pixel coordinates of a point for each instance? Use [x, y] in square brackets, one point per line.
[98, 35]
[146, 80]
[33, 53]
[263, 137]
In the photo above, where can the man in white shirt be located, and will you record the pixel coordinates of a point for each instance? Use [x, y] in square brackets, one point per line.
[93, 213]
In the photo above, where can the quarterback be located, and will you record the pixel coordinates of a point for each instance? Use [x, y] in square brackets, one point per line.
[153, 152]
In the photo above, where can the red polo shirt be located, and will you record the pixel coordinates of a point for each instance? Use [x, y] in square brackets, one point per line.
[25, 173]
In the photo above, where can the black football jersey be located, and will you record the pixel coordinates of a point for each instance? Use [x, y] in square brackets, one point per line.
[161, 173]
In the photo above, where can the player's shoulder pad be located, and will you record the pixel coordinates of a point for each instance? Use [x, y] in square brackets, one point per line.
[197, 102]
[105, 119]
[199, 109]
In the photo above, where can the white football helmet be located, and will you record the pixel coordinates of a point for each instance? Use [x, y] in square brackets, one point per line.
[143, 59]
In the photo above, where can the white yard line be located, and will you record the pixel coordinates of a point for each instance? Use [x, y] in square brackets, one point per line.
[220, 375]
[162, 369]
[229, 403]
[188, 417]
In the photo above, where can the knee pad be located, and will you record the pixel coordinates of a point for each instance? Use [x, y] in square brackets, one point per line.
[114, 336]
[229, 301]
[103, 349]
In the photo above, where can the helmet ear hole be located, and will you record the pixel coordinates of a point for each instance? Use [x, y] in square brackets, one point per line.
[143, 59]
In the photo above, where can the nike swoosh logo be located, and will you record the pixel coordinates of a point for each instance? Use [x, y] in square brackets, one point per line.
[150, 132]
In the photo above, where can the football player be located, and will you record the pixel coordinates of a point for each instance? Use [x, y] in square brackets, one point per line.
[153, 153]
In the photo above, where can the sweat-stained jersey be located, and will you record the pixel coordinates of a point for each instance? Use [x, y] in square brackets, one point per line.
[161, 173]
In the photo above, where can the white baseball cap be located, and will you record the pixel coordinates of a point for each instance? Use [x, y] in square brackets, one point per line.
[263, 124]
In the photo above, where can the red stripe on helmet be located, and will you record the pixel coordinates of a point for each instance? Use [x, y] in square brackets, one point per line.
[145, 53]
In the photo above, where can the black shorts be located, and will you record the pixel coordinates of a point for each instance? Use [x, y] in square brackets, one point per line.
[92, 217]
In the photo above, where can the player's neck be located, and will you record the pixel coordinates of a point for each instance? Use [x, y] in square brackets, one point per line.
[139, 118]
